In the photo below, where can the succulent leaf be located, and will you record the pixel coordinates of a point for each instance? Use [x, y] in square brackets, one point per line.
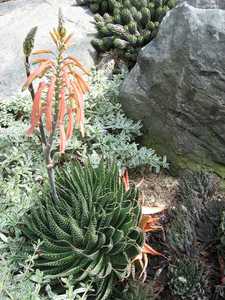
[101, 240]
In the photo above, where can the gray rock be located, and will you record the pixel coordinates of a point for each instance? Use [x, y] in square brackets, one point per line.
[204, 3]
[18, 17]
[177, 88]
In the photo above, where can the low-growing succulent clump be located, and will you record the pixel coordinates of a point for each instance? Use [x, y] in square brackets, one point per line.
[181, 235]
[196, 239]
[188, 279]
[127, 25]
[91, 232]
[221, 247]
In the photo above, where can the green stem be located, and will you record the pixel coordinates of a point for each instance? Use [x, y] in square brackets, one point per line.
[48, 153]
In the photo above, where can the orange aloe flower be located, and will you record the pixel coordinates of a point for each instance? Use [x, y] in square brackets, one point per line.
[63, 100]
[148, 223]
[44, 51]
[69, 131]
[44, 66]
[36, 109]
[81, 83]
[62, 144]
[61, 108]
[79, 102]
[67, 39]
[48, 111]
[78, 64]
[126, 180]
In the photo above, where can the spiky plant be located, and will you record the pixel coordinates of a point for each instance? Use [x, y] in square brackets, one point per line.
[134, 23]
[188, 279]
[91, 231]
[197, 216]
[58, 100]
[196, 233]
[181, 234]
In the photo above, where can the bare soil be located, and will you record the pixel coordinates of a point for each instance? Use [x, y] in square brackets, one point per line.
[156, 189]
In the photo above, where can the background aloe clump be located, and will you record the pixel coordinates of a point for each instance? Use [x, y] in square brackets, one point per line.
[127, 25]
[91, 232]
[196, 239]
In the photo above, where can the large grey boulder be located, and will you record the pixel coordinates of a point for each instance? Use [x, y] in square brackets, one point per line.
[17, 18]
[204, 3]
[177, 88]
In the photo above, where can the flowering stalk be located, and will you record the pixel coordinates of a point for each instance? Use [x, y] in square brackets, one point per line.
[58, 102]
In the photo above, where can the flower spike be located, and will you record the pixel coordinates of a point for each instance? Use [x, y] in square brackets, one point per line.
[63, 93]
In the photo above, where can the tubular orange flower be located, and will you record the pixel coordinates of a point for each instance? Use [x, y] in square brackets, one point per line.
[44, 51]
[43, 67]
[40, 60]
[126, 180]
[148, 223]
[48, 111]
[54, 38]
[78, 64]
[78, 88]
[61, 110]
[69, 131]
[67, 39]
[83, 85]
[63, 94]
[73, 96]
[63, 75]
[55, 31]
[80, 120]
[79, 109]
[149, 250]
[62, 141]
[36, 109]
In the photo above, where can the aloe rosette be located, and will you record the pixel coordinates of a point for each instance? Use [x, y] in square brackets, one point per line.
[91, 232]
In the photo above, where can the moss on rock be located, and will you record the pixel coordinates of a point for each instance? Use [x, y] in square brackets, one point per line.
[179, 161]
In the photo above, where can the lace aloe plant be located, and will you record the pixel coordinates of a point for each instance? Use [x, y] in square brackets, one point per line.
[91, 232]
